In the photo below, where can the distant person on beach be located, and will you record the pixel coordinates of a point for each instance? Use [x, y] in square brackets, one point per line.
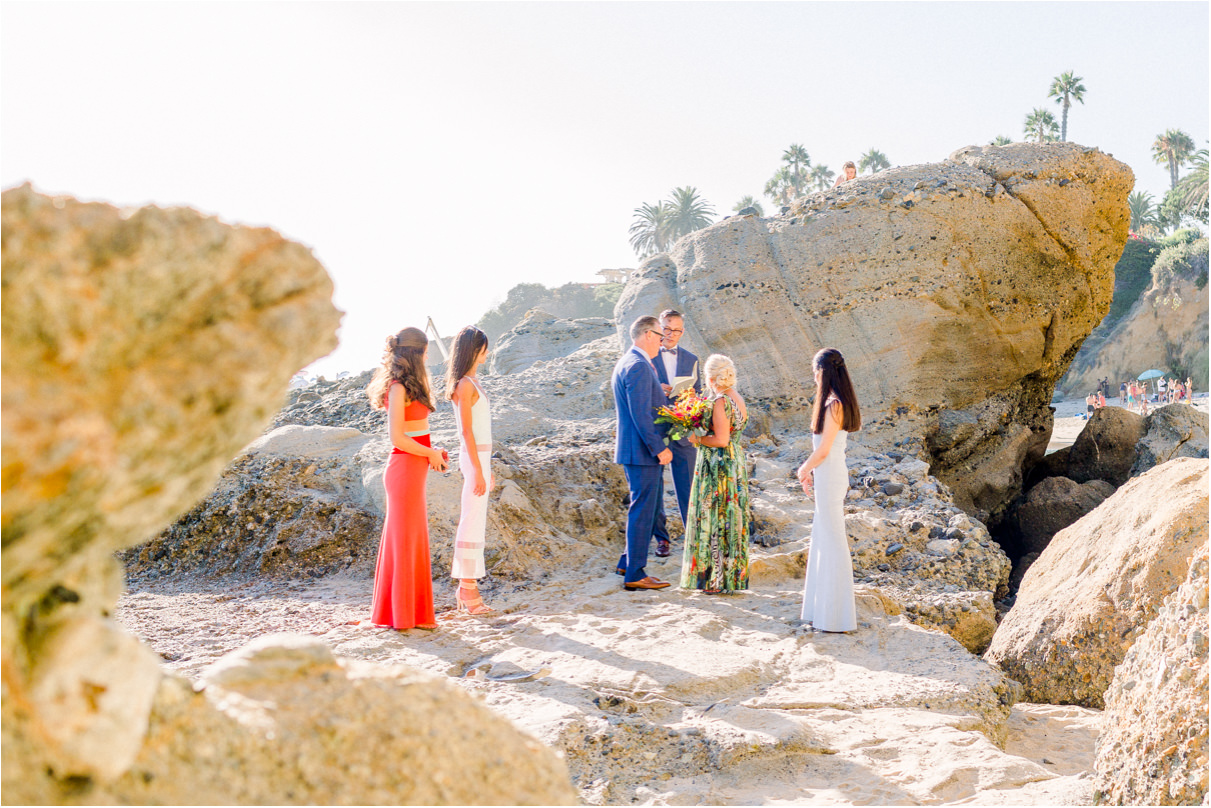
[715, 559]
[1122, 394]
[1144, 403]
[828, 587]
[1160, 390]
[1090, 405]
[473, 416]
[848, 172]
[677, 370]
[640, 448]
[1190, 388]
[1101, 399]
[403, 578]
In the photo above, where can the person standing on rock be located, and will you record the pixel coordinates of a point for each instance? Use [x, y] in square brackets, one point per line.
[677, 370]
[828, 589]
[640, 447]
[848, 172]
[715, 559]
[403, 577]
[474, 420]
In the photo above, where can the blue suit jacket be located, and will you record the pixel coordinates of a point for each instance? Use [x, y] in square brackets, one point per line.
[687, 365]
[637, 396]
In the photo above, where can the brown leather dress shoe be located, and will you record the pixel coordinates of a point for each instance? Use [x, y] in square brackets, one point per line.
[662, 548]
[646, 583]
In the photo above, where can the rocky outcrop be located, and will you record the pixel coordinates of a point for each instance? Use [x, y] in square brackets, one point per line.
[1166, 328]
[1176, 430]
[1052, 505]
[541, 336]
[1105, 449]
[1100, 582]
[958, 291]
[308, 728]
[1153, 750]
[142, 350]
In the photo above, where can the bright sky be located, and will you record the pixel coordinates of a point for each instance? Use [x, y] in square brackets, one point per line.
[436, 154]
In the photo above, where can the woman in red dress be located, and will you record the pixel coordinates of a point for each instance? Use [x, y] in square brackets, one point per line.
[403, 580]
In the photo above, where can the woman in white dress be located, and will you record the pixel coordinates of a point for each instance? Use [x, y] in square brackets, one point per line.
[473, 416]
[828, 590]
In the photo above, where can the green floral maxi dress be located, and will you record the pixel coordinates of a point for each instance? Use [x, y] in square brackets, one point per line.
[717, 530]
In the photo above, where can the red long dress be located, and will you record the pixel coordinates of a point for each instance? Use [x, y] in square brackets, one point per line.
[403, 578]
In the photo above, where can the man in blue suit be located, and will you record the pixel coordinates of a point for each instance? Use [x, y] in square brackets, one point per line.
[671, 364]
[640, 447]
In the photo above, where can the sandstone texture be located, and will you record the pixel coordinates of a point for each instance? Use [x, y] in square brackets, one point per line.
[958, 292]
[1100, 582]
[308, 728]
[1154, 748]
[543, 336]
[142, 350]
[1052, 505]
[1105, 449]
[1175, 430]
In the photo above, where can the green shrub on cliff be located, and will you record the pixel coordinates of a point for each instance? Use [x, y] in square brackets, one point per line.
[1181, 261]
[1132, 274]
[572, 300]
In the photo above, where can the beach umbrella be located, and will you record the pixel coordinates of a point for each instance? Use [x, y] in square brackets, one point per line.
[1151, 374]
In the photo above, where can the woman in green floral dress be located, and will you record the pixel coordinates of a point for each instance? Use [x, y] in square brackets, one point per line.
[717, 530]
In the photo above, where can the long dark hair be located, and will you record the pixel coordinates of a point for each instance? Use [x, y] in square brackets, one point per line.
[404, 362]
[834, 382]
[467, 345]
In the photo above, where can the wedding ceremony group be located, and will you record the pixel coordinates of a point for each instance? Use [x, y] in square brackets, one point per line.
[671, 411]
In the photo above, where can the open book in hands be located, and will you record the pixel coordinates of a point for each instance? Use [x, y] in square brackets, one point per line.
[680, 385]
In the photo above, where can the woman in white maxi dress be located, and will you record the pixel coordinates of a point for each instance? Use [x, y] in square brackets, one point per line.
[828, 589]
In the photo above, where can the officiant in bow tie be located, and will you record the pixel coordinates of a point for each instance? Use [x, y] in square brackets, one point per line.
[677, 369]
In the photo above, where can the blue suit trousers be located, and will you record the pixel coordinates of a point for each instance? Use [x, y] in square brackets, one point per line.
[646, 484]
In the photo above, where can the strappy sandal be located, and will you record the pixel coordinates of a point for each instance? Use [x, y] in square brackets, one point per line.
[472, 606]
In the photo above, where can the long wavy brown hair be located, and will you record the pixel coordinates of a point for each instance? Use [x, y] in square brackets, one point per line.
[834, 382]
[404, 362]
[467, 345]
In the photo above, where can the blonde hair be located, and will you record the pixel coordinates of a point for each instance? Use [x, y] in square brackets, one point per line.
[721, 370]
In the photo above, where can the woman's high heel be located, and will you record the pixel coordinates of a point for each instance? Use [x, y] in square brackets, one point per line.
[473, 606]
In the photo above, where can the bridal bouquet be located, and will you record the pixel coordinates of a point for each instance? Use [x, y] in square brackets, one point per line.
[689, 414]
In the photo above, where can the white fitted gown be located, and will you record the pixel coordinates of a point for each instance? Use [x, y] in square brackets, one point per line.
[828, 590]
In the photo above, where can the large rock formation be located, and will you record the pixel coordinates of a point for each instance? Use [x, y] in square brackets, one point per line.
[958, 292]
[543, 336]
[1176, 430]
[1099, 583]
[1052, 505]
[141, 350]
[1105, 448]
[1153, 750]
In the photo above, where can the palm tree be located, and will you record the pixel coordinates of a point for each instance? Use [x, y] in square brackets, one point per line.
[1193, 187]
[1174, 147]
[822, 177]
[1143, 211]
[781, 186]
[874, 160]
[797, 160]
[749, 202]
[1000, 140]
[650, 229]
[1066, 88]
[687, 212]
[1040, 125]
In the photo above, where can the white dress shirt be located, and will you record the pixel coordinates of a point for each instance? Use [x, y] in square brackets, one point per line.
[670, 364]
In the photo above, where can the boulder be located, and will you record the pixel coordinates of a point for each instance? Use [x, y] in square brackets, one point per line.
[1153, 750]
[1105, 448]
[958, 292]
[541, 336]
[303, 727]
[1052, 505]
[1100, 582]
[1176, 430]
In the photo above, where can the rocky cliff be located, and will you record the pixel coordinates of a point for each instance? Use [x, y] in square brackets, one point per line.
[958, 291]
[1166, 329]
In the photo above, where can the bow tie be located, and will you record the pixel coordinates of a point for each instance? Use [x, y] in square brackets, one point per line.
[669, 351]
